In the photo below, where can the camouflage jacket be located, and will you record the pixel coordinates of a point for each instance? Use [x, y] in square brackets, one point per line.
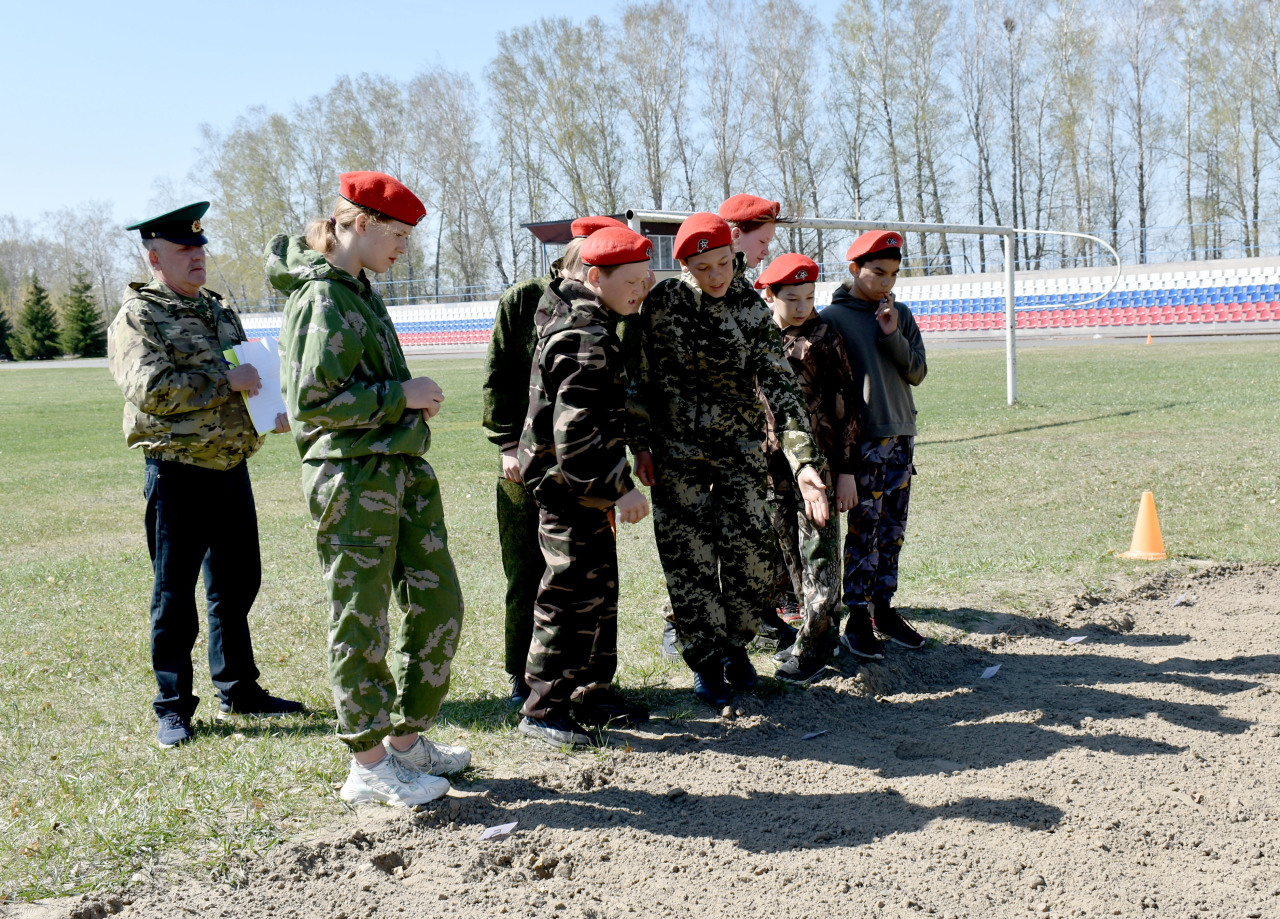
[506, 369]
[341, 365]
[165, 352]
[817, 356]
[573, 447]
[700, 361]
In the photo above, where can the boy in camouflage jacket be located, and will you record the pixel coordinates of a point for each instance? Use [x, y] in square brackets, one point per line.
[573, 460]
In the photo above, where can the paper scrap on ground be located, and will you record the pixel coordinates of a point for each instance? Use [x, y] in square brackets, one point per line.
[990, 672]
[264, 355]
[1183, 600]
[813, 734]
[1075, 639]
[502, 829]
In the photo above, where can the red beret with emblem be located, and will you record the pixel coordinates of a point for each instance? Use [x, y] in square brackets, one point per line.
[792, 268]
[749, 209]
[382, 193]
[615, 246]
[585, 226]
[871, 242]
[701, 233]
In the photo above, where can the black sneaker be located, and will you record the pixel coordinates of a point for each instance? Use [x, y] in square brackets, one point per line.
[175, 730]
[886, 621]
[557, 730]
[774, 633]
[710, 687]
[739, 671]
[859, 639]
[519, 690]
[670, 642]
[792, 669]
[606, 708]
[259, 702]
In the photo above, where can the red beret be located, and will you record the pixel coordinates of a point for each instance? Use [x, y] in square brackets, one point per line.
[380, 192]
[873, 241]
[792, 268]
[701, 233]
[615, 246]
[749, 209]
[585, 226]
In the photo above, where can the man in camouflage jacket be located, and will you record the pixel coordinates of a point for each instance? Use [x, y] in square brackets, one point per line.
[184, 410]
[375, 500]
[697, 413]
[506, 402]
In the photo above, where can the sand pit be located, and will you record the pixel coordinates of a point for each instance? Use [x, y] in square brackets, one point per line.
[1133, 773]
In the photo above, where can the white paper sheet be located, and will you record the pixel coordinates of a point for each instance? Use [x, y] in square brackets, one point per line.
[990, 672]
[264, 355]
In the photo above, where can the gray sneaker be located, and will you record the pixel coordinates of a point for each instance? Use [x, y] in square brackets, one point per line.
[391, 781]
[557, 731]
[432, 758]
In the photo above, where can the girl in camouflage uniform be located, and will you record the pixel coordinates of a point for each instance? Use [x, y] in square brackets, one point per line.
[360, 422]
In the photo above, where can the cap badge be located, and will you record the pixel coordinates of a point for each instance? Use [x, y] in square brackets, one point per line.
[894, 241]
[801, 274]
[195, 226]
[702, 244]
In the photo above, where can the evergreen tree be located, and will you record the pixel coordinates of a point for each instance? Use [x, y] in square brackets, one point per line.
[6, 334]
[83, 331]
[37, 336]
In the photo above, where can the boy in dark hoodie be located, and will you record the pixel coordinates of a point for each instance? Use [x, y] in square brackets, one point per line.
[887, 355]
[573, 460]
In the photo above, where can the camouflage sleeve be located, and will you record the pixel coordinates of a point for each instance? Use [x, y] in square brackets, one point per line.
[779, 386]
[320, 385]
[632, 340]
[906, 348]
[505, 389]
[840, 402]
[143, 367]
[592, 459]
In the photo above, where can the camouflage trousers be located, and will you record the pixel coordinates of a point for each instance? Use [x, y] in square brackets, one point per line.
[811, 556]
[523, 566]
[380, 530]
[575, 617]
[716, 548]
[878, 525]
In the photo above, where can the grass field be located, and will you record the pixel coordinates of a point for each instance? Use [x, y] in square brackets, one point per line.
[1012, 507]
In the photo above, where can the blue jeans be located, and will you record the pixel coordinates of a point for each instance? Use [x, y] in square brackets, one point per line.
[201, 520]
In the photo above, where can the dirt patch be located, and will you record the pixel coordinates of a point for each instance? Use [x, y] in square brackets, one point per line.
[1132, 773]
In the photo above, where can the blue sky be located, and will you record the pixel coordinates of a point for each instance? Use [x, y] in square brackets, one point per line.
[104, 100]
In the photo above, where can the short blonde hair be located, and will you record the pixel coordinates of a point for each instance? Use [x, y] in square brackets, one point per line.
[571, 261]
[322, 233]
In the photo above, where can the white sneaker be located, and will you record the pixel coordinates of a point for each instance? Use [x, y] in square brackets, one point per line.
[432, 758]
[391, 781]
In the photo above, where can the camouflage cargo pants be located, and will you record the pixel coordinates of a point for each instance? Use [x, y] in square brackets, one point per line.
[523, 566]
[717, 548]
[812, 558]
[575, 617]
[878, 525]
[381, 531]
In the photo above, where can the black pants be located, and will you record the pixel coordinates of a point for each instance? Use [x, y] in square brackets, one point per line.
[201, 520]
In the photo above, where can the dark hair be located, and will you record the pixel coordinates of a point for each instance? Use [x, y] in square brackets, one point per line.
[748, 226]
[608, 270]
[894, 254]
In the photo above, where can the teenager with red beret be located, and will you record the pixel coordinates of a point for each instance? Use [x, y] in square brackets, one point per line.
[360, 422]
[886, 351]
[832, 395]
[573, 461]
[706, 341]
[753, 223]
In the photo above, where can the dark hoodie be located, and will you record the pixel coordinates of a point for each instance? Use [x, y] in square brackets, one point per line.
[573, 447]
[887, 365]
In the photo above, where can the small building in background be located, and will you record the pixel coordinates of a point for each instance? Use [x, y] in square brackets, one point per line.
[554, 235]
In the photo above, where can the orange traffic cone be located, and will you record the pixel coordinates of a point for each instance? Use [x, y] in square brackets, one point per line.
[1147, 544]
[1148, 339]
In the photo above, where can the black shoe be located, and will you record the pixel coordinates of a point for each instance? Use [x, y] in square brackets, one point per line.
[258, 702]
[886, 621]
[859, 639]
[792, 669]
[557, 730]
[606, 708]
[670, 642]
[710, 687]
[739, 671]
[175, 730]
[519, 690]
[774, 633]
